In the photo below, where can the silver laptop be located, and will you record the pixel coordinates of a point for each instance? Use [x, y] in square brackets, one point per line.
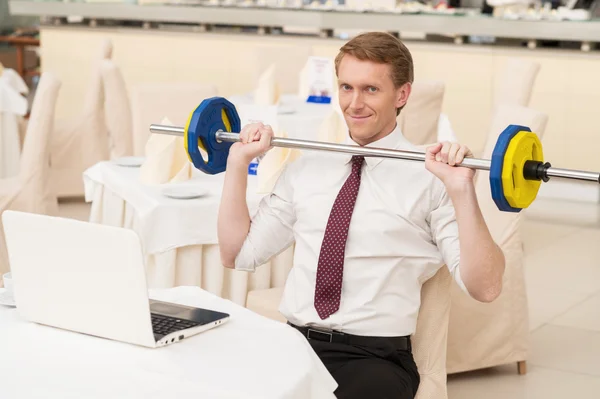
[90, 278]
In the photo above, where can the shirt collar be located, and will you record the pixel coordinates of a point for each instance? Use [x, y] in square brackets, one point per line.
[394, 140]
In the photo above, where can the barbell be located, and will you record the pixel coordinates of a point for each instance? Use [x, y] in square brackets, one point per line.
[516, 169]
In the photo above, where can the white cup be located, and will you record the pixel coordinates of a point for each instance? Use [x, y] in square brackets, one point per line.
[8, 282]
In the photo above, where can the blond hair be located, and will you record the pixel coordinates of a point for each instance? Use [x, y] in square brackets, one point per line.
[382, 48]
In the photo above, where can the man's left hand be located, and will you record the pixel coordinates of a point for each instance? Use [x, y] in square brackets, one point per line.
[442, 160]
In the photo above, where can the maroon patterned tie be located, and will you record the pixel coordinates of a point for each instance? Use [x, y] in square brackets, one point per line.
[330, 270]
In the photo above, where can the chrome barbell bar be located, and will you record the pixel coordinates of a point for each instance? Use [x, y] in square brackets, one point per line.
[473, 163]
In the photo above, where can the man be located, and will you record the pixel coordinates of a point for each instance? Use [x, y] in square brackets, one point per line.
[368, 231]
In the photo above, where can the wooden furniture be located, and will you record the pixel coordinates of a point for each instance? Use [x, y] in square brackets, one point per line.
[20, 42]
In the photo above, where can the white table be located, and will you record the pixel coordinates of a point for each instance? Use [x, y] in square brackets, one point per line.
[179, 236]
[248, 357]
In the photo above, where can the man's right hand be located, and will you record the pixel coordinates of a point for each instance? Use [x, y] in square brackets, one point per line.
[255, 141]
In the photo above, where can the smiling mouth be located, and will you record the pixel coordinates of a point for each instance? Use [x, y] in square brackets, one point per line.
[360, 117]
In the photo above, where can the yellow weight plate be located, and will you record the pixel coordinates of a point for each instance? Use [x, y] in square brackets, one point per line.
[225, 120]
[518, 191]
[185, 137]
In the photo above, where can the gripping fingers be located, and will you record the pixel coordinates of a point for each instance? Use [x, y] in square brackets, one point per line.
[244, 134]
[249, 131]
[266, 134]
[257, 133]
[453, 154]
[442, 156]
[254, 134]
[460, 155]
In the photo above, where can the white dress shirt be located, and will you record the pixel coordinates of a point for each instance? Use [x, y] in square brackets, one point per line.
[403, 230]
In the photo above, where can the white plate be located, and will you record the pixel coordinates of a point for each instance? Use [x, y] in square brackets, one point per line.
[286, 109]
[184, 192]
[130, 161]
[6, 299]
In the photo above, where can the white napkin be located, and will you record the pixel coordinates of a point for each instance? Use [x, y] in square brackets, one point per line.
[267, 90]
[303, 85]
[10, 100]
[333, 129]
[15, 80]
[166, 159]
[272, 164]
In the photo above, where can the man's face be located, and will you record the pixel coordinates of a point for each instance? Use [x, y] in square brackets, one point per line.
[369, 99]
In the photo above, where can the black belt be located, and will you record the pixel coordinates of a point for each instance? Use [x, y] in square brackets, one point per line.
[402, 343]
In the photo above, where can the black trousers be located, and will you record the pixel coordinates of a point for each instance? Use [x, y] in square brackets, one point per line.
[374, 372]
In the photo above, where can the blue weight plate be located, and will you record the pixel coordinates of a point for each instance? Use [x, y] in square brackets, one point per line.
[205, 122]
[497, 164]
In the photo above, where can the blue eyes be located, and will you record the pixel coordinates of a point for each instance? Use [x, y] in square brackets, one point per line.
[369, 89]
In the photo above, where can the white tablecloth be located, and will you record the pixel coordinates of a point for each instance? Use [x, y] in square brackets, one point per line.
[248, 357]
[179, 237]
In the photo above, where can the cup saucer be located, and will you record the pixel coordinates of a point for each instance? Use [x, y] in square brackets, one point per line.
[7, 298]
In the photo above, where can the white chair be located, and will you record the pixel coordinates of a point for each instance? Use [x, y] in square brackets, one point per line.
[485, 335]
[15, 80]
[13, 106]
[429, 341]
[117, 110]
[431, 336]
[82, 142]
[30, 190]
[514, 84]
[420, 117]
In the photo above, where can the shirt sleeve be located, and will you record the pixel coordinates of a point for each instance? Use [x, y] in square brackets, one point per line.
[271, 228]
[444, 231]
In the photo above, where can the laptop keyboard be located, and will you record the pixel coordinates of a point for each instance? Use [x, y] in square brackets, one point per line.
[165, 325]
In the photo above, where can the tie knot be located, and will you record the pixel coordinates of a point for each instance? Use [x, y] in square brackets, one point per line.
[357, 160]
